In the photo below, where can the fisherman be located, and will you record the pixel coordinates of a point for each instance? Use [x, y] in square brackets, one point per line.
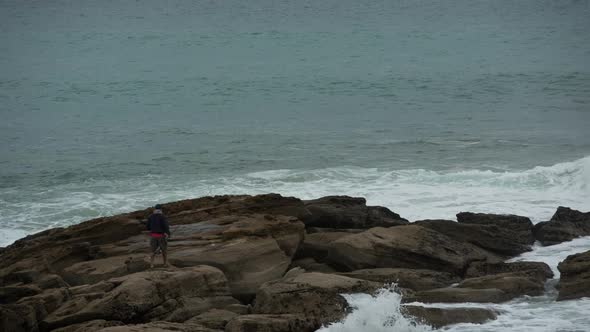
[159, 234]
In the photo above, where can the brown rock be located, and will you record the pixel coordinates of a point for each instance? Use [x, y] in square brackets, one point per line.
[492, 237]
[317, 245]
[93, 271]
[575, 277]
[439, 317]
[565, 225]
[538, 270]
[513, 284]
[410, 246]
[250, 251]
[521, 227]
[271, 323]
[316, 296]
[416, 279]
[348, 212]
[170, 295]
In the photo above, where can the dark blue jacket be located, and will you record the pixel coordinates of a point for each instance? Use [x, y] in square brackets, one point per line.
[157, 223]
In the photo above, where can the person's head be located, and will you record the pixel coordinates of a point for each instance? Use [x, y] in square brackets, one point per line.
[158, 208]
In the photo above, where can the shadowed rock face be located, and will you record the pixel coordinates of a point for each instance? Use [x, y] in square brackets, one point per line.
[565, 225]
[575, 277]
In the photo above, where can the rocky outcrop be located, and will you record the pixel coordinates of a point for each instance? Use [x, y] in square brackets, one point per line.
[490, 236]
[575, 277]
[565, 225]
[415, 279]
[315, 296]
[520, 227]
[348, 212]
[439, 317]
[409, 246]
[263, 263]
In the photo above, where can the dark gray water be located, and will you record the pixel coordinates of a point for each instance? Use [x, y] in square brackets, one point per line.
[112, 105]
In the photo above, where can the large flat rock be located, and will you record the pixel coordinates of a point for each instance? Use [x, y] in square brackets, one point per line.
[409, 246]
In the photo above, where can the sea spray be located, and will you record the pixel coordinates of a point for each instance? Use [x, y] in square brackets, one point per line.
[376, 313]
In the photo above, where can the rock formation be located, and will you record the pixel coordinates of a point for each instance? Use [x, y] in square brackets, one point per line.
[269, 263]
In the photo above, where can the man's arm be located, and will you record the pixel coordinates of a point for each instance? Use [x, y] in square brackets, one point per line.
[147, 224]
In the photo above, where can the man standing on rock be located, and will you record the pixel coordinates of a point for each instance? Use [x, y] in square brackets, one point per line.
[159, 234]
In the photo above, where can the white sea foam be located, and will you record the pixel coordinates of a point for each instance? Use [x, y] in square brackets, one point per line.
[376, 313]
[414, 194]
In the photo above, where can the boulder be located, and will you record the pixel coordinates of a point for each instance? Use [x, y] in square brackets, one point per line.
[146, 296]
[513, 284]
[316, 296]
[490, 236]
[439, 317]
[410, 246]
[271, 323]
[348, 212]
[520, 227]
[575, 277]
[458, 295]
[415, 279]
[538, 270]
[565, 225]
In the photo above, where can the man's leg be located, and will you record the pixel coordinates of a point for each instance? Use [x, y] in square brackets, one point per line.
[154, 248]
[164, 248]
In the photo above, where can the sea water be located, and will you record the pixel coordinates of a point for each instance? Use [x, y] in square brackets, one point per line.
[429, 108]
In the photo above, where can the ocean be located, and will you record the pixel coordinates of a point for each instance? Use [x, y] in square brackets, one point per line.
[427, 107]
